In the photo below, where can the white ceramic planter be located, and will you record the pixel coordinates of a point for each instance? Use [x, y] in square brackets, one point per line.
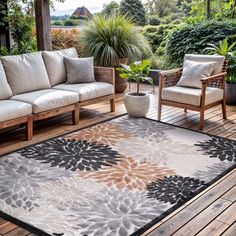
[137, 106]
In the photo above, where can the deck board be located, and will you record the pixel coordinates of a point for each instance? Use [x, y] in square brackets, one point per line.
[211, 213]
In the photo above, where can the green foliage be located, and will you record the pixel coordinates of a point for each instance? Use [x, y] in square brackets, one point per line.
[109, 39]
[231, 79]
[194, 38]
[222, 48]
[137, 71]
[70, 22]
[154, 20]
[156, 35]
[134, 9]
[110, 9]
[58, 23]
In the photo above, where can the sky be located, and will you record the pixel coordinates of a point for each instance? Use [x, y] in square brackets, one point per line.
[70, 5]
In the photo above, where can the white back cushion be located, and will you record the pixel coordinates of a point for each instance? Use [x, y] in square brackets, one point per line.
[54, 61]
[5, 90]
[219, 60]
[194, 71]
[26, 72]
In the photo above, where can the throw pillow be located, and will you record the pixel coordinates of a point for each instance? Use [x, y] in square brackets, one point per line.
[79, 70]
[194, 71]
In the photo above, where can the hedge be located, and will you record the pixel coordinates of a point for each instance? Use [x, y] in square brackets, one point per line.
[194, 39]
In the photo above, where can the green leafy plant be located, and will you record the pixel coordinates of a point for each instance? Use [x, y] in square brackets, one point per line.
[137, 71]
[113, 38]
[231, 79]
[222, 48]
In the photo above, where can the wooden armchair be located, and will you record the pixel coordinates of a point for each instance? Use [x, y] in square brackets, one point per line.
[212, 92]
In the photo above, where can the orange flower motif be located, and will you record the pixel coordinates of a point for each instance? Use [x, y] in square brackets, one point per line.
[129, 174]
[106, 134]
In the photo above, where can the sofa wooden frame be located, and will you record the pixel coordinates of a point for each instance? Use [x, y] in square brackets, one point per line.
[102, 74]
[171, 78]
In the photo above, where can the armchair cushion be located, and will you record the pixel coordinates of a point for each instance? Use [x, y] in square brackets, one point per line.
[13, 109]
[193, 72]
[79, 70]
[54, 62]
[191, 96]
[47, 99]
[88, 91]
[219, 60]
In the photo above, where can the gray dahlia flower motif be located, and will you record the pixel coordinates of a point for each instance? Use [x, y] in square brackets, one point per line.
[175, 189]
[72, 154]
[216, 147]
[19, 177]
[118, 212]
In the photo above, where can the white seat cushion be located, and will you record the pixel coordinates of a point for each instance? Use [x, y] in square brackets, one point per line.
[13, 109]
[54, 62]
[219, 60]
[191, 96]
[47, 99]
[88, 91]
[26, 72]
[5, 90]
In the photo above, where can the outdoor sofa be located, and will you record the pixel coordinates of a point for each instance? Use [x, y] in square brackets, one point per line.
[34, 87]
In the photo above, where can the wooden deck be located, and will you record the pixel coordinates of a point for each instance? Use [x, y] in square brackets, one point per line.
[211, 213]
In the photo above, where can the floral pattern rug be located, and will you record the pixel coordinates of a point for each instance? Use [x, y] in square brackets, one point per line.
[115, 178]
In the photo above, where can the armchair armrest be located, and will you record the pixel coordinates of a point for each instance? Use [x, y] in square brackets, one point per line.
[170, 77]
[215, 80]
[105, 74]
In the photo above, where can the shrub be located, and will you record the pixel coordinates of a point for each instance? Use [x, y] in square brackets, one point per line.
[113, 38]
[154, 20]
[134, 9]
[62, 39]
[156, 35]
[70, 22]
[194, 38]
[57, 23]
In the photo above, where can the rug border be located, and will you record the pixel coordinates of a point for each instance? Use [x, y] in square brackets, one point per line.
[143, 229]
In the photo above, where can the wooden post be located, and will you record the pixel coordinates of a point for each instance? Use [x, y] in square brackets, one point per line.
[208, 9]
[43, 27]
[4, 29]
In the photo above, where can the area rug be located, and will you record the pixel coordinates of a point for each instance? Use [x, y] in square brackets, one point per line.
[118, 177]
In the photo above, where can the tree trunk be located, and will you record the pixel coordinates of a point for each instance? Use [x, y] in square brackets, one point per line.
[4, 28]
[208, 9]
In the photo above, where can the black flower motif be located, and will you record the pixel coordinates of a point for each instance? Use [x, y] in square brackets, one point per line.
[174, 189]
[224, 149]
[73, 154]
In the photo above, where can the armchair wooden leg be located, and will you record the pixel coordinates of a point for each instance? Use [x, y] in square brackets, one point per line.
[185, 110]
[29, 129]
[159, 111]
[224, 110]
[112, 105]
[202, 114]
[76, 114]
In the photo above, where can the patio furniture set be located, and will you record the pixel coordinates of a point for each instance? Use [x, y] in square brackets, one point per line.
[44, 84]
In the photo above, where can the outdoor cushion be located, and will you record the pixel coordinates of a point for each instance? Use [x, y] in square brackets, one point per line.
[5, 90]
[54, 62]
[208, 58]
[88, 91]
[191, 96]
[48, 99]
[194, 71]
[79, 70]
[26, 72]
[13, 109]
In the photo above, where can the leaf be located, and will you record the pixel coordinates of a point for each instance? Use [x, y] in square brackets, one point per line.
[124, 76]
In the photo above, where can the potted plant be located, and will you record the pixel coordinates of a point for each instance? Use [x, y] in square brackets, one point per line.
[230, 90]
[113, 41]
[137, 103]
[224, 49]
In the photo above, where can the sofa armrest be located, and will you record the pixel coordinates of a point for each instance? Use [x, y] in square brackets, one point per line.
[217, 81]
[105, 74]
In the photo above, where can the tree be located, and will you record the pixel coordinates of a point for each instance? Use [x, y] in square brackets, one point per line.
[208, 9]
[111, 9]
[135, 10]
[161, 8]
